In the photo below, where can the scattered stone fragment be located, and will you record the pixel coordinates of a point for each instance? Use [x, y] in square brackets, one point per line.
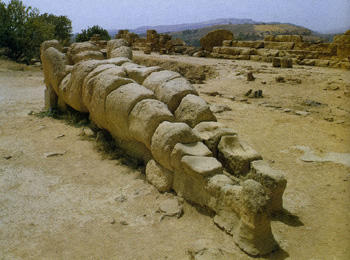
[219, 108]
[301, 113]
[88, 132]
[52, 154]
[171, 207]
[248, 92]
[287, 110]
[60, 136]
[124, 222]
[313, 103]
[280, 79]
[250, 76]
[121, 198]
[7, 157]
[329, 119]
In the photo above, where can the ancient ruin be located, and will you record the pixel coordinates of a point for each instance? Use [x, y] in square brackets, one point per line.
[157, 115]
[278, 49]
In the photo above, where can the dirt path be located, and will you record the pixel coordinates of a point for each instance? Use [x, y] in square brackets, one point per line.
[77, 206]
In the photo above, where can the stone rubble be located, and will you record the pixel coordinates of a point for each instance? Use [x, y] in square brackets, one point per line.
[157, 116]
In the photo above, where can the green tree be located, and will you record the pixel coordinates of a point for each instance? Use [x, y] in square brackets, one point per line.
[62, 27]
[23, 29]
[86, 35]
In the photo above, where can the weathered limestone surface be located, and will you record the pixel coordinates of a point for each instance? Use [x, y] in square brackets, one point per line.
[157, 116]
[158, 176]
[273, 48]
[272, 180]
[215, 38]
[146, 117]
[156, 79]
[171, 92]
[119, 105]
[194, 149]
[54, 66]
[236, 155]
[166, 137]
[193, 110]
[137, 72]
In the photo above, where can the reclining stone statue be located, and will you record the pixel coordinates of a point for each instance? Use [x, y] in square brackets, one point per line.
[157, 115]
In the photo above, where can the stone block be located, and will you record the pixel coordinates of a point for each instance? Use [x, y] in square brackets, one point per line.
[103, 76]
[236, 155]
[249, 44]
[279, 45]
[145, 117]
[270, 38]
[78, 47]
[273, 182]
[88, 55]
[171, 92]
[156, 79]
[289, 38]
[195, 149]
[120, 103]
[104, 85]
[215, 38]
[123, 51]
[166, 136]
[54, 67]
[254, 234]
[211, 133]
[201, 166]
[193, 110]
[138, 72]
[50, 98]
[191, 181]
[75, 89]
[158, 176]
[283, 62]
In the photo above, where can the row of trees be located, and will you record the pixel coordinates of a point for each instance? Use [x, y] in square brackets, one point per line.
[23, 29]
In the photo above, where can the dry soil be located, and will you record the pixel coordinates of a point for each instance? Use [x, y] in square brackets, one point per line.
[59, 199]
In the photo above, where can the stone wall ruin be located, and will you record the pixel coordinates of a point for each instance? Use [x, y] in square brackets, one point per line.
[157, 115]
[282, 47]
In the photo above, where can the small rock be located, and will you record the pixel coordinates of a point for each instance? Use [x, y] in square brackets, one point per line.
[171, 208]
[60, 136]
[112, 221]
[219, 108]
[212, 93]
[121, 198]
[263, 82]
[88, 132]
[7, 157]
[287, 110]
[124, 222]
[301, 113]
[280, 79]
[313, 103]
[250, 76]
[249, 92]
[329, 119]
[52, 154]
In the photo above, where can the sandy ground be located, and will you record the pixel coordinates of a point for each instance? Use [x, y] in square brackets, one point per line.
[75, 205]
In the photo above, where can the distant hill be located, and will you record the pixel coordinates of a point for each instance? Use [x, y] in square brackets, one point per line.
[185, 26]
[191, 26]
[243, 29]
[246, 32]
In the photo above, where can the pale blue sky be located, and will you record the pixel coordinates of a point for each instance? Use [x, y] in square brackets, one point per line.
[319, 15]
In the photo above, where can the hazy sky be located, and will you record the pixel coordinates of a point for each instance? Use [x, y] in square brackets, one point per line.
[319, 15]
